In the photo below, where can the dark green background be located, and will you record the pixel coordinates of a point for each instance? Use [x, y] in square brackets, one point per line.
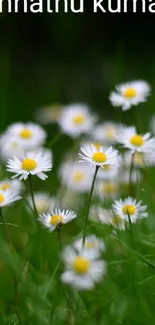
[48, 58]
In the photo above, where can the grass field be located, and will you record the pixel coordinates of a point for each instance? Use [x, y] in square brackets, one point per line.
[31, 264]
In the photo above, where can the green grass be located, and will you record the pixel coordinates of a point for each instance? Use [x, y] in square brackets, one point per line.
[125, 296]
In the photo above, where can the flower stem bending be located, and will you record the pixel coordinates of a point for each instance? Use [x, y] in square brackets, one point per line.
[88, 206]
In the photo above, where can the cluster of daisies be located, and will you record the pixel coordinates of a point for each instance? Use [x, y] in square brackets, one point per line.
[100, 170]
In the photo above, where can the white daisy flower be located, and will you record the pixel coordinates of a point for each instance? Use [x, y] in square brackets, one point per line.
[82, 271]
[129, 207]
[15, 185]
[107, 132]
[89, 142]
[106, 216]
[136, 142]
[129, 94]
[10, 146]
[94, 245]
[76, 119]
[140, 159]
[101, 158]
[117, 222]
[32, 163]
[98, 214]
[108, 173]
[56, 218]
[30, 135]
[43, 202]
[108, 188]
[76, 177]
[68, 198]
[8, 197]
[47, 153]
[123, 177]
[48, 114]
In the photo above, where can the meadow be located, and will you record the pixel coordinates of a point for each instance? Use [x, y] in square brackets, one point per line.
[77, 238]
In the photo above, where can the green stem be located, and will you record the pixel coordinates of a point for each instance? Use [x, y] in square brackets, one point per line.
[6, 229]
[69, 298]
[54, 140]
[59, 237]
[131, 232]
[32, 195]
[88, 206]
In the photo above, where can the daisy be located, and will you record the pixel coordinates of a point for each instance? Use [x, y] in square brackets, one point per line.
[14, 185]
[30, 135]
[56, 218]
[136, 142]
[8, 197]
[98, 214]
[94, 245]
[68, 198]
[82, 271]
[108, 173]
[101, 157]
[106, 216]
[124, 177]
[107, 189]
[96, 144]
[43, 202]
[140, 159]
[47, 153]
[32, 163]
[10, 146]
[106, 132]
[129, 207]
[118, 222]
[76, 119]
[131, 93]
[76, 177]
[49, 114]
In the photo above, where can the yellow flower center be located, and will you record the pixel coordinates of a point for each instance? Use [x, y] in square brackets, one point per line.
[79, 119]
[41, 205]
[5, 186]
[117, 221]
[2, 198]
[110, 133]
[137, 140]
[129, 209]
[14, 145]
[130, 93]
[109, 188]
[78, 176]
[25, 134]
[89, 244]
[55, 220]
[99, 157]
[29, 164]
[81, 265]
[97, 145]
[107, 167]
